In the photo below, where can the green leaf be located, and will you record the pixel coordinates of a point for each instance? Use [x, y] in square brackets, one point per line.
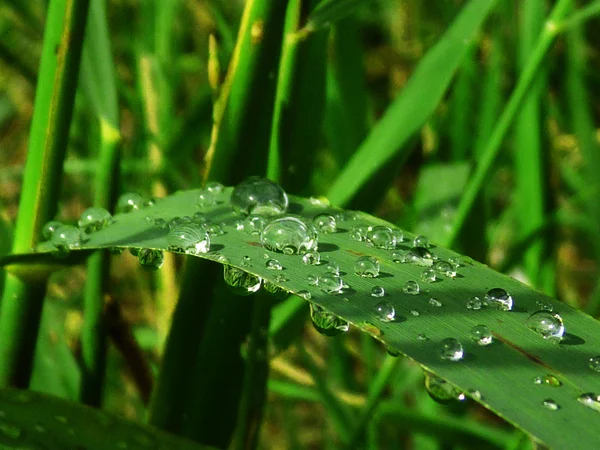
[330, 11]
[502, 372]
[34, 420]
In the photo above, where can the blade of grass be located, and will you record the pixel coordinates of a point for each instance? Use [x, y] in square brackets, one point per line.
[413, 106]
[22, 301]
[491, 150]
[330, 11]
[582, 15]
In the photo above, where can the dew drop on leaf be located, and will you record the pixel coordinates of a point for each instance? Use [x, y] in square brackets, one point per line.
[325, 223]
[377, 291]
[276, 291]
[206, 199]
[415, 313]
[273, 264]
[333, 267]
[421, 241]
[128, 202]
[474, 303]
[214, 187]
[290, 235]
[590, 400]
[327, 323]
[366, 266]
[214, 229]
[547, 324]
[254, 224]
[188, 239]
[240, 281]
[594, 363]
[422, 337]
[482, 335]
[428, 276]
[94, 219]
[150, 259]
[441, 390]
[304, 294]
[544, 305]
[330, 283]
[49, 228]
[499, 298]
[312, 258]
[65, 238]
[258, 195]
[385, 311]
[451, 350]
[160, 224]
[550, 404]
[411, 288]
[435, 302]
[444, 269]
[382, 237]
[419, 256]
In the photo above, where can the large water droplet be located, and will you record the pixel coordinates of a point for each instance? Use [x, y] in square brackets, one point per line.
[451, 350]
[385, 311]
[290, 235]
[594, 363]
[94, 219]
[254, 224]
[257, 195]
[547, 324]
[188, 239]
[276, 291]
[312, 258]
[444, 269]
[474, 303]
[382, 237]
[590, 400]
[130, 201]
[499, 298]
[240, 281]
[206, 198]
[366, 266]
[330, 283]
[65, 238]
[481, 335]
[421, 241]
[273, 264]
[49, 228]
[441, 390]
[411, 288]
[150, 259]
[327, 323]
[325, 223]
[377, 291]
[550, 404]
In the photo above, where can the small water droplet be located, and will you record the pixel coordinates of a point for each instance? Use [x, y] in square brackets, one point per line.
[547, 324]
[333, 267]
[239, 225]
[422, 337]
[214, 187]
[281, 278]
[258, 195]
[273, 264]
[246, 261]
[474, 303]
[358, 233]
[393, 352]
[551, 380]
[441, 390]
[312, 258]
[455, 262]
[276, 291]
[594, 363]
[415, 313]
[382, 237]
[65, 238]
[128, 202]
[411, 288]
[290, 235]
[366, 266]
[481, 335]
[444, 269]
[419, 256]
[348, 216]
[304, 294]
[214, 229]
[377, 291]
[544, 305]
[223, 259]
[320, 202]
[475, 394]
[385, 311]
[538, 380]
[150, 259]
[312, 279]
[188, 239]
[590, 400]
[161, 224]
[550, 404]
[499, 298]
[428, 276]
[435, 302]
[451, 350]
[254, 224]
[206, 199]
[399, 235]
[327, 323]
[240, 281]
[330, 283]
[94, 219]
[421, 241]
[399, 257]
[49, 228]
[325, 223]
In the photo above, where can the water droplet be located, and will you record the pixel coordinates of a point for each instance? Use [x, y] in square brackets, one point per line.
[321, 202]
[240, 281]
[393, 352]
[544, 305]
[415, 313]
[188, 239]
[312, 258]
[325, 223]
[385, 311]
[551, 380]
[10, 430]
[276, 291]
[239, 225]
[333, 267]
[428, 276]
[280, 278]
[312, 279]
[358, 233]
[214, 187]
[160, 224]
[441, 390]
[49, 228]
[246, 261]
[348, 216]
[474, 303]
[206, 199]
[399, 257]
[499, 298]
[377, 291]
[150, 259]
[455, 262]
[330, 283]
[367, 267]
[590, 400]
[223, 259]
[399, 235]
[65, 238]
[199, 218]
[214, 229]
[273, 264]
[538, 380]
[254, 224]
[257, 195]
[411, 288]
[422, 337]
[451, 350]
[481, 335]
[382, 237]
[290, 235]
[327, 323]
[419, 256]
[304, 294]
[594, 363]
[444, 269]
[435, 302]
[128, 202]
[94, 219]
[547, 324]
[421, 241]
[550, 404]
[475, 394]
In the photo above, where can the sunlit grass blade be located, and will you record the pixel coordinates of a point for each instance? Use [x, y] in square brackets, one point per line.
[415, 103]
[22, 301]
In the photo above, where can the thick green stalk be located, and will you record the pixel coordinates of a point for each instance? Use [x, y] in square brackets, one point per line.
[488, 156]
[22, 301]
